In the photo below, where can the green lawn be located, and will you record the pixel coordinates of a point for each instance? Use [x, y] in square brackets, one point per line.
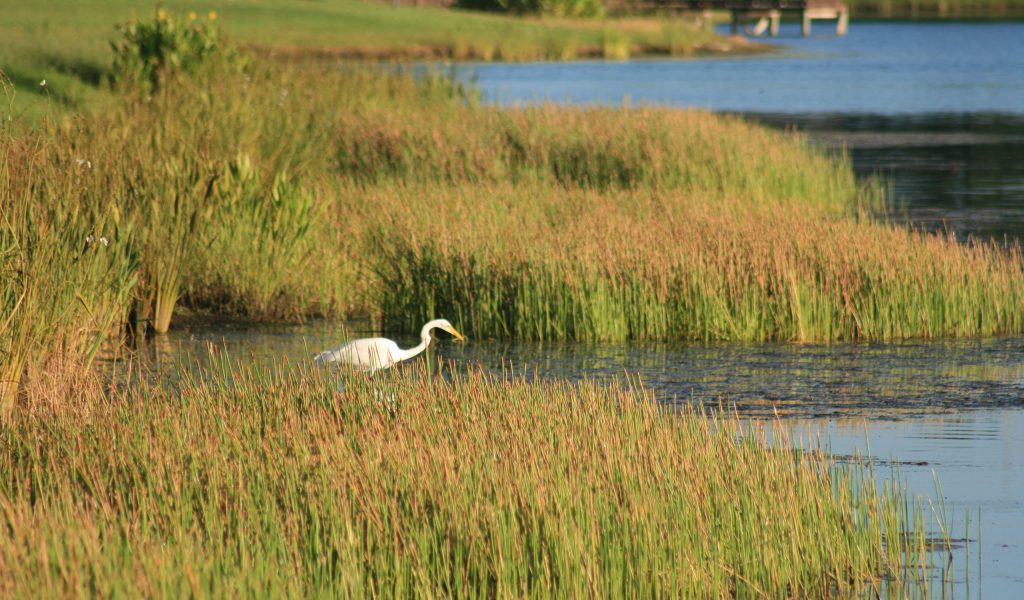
[66, 42]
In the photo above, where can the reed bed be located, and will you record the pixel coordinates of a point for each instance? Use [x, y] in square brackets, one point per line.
[520, 262]
[67, 270]
[246, 481]
[294, 190]
[634, 148]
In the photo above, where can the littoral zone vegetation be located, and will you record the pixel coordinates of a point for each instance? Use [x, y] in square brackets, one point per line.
[216, 180]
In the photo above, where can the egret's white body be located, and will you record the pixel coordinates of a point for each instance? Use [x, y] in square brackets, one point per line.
[374, 354]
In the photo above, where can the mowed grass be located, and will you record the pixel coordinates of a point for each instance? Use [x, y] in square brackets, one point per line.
[66, 42]
[278, 484]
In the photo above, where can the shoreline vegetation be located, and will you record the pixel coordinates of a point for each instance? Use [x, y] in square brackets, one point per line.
[280, 485]
[67, 44]
[287, 190]
[282, 189]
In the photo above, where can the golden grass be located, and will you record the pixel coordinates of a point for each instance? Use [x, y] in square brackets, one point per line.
[401, 198]
[278, 484]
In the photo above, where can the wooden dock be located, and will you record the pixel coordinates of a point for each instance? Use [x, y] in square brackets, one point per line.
[756, 17]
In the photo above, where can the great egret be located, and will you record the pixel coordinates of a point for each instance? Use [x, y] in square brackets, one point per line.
[374, 354]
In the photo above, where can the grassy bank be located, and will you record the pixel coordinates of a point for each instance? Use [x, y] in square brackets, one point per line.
[287, 191]
[66, 42]
[280, 485]
[643, 265]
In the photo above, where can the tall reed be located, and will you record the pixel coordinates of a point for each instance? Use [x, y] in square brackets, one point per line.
[527, 262]
[68, 261]
[272, 482]
[602, 148]
[259, 228]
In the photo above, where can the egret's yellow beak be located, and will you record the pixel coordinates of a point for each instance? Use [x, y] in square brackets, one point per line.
[457, 335]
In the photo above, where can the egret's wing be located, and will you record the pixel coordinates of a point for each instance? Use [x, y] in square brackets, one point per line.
[370, 354]
[344, 353]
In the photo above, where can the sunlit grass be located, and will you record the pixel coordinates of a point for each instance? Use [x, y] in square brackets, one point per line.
[67, 42]
[272, 482]
[401, 198]
[529, 262]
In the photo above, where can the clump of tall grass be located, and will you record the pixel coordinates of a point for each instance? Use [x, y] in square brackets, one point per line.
[642, 148]
[256, 228]
[279, 484]
[532, 263]
[171, 201]
[104, 215]
[614, 45]
[150, 51]
[68, 261]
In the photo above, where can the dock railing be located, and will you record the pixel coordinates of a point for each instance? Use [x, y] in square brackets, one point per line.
[755, 17]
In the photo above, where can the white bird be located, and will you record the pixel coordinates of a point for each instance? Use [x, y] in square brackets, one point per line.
[374, 354]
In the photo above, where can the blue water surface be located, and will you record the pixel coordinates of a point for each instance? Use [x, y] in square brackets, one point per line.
[879, 68]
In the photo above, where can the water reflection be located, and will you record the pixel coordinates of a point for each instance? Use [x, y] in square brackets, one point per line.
[962, 173]
[977, 460]
[873, 381]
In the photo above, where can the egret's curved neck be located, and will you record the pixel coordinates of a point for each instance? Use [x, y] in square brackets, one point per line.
[411, 352]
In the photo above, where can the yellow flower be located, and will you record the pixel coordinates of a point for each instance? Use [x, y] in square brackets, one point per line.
[161, 15]
[192, 15]
[212, 15]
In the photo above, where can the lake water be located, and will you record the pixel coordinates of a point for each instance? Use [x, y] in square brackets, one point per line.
[936, 108]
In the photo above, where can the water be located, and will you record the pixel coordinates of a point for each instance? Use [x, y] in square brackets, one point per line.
[884, 68]
[935, 108]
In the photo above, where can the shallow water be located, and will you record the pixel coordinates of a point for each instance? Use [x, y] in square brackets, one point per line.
[935, 108]
[949, 411]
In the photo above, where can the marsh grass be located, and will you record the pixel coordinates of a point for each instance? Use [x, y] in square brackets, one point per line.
[664, 150]
[292, 190]
[273, 482]
[258, 228]
[68, 266]
[617, 265]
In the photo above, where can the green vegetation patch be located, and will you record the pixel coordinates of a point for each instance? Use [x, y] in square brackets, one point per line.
[67, 42]
[290, 191]
[246, 482]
